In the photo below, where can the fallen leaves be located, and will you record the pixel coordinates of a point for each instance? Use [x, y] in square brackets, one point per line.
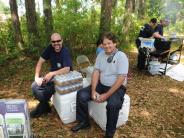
[157, 106]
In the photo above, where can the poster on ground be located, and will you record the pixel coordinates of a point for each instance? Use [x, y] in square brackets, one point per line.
[14, 119]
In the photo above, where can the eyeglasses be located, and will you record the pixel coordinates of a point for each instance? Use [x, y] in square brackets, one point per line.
[56, 41]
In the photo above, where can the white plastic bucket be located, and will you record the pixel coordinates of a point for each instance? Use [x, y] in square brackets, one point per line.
[174, 58]
[98, 112]
[65, 106]
[154, 67]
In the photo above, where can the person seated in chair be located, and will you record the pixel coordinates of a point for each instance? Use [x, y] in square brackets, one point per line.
[160, 28]
[161, 44]
[153, 30]
[147, 31]
[108, 84]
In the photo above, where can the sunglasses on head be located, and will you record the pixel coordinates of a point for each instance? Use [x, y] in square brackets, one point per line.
[110, 58]
[56, 41]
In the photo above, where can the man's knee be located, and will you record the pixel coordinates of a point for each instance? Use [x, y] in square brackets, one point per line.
[116, 101]
[83, 95]
[114, 105]
[38, 92]
[34, 88]
[33, 85]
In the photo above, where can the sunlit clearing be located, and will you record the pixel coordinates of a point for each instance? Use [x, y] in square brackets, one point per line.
[134, 50]
[32, 103]
[176, 91]
[145, 113]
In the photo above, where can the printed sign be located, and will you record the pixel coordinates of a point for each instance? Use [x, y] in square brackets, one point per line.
[14, 119]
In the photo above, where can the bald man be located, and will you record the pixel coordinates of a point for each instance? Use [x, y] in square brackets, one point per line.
[43, 87]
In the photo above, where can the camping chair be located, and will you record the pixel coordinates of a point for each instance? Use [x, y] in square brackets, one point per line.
[83, 62]
[165, 53]
[178, 41]
[162, 52]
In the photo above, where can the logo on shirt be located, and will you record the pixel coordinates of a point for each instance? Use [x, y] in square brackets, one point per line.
[59, 65]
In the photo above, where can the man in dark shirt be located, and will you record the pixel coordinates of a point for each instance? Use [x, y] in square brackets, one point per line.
[160, 26]
[43, 87]
[146, 31]
[161, 44]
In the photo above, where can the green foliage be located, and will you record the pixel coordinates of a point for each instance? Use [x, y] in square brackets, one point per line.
[117, 19]
[29, 50]
[7, 48]
[76, 26]
[155, 8]
[177, 28]
[78, 23]
[4, 9]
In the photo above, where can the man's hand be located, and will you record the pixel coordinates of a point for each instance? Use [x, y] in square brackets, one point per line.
[48, 76]
[39, 81]
[103, 97]
[94, 95]
[164, 39]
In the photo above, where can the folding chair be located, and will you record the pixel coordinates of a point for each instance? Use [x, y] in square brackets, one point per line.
[178, 41]
[83, 62]
[85, 67]
[162, 52]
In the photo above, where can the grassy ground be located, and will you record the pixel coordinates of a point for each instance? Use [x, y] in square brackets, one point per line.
[157, 104]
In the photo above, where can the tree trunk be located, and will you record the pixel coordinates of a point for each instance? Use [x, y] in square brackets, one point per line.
[133, 6]
[105, 19]
[114, 7]
[58, 4]
[127, 20]
[114, 3]
[142, 9]
[136, 7]
[32, 27]
[48, 21]
[129, 6]
[16, 24]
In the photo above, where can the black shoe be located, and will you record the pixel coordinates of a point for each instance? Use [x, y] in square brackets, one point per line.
[109, 135]
[35, 113]
[41, 109]
[81, 125]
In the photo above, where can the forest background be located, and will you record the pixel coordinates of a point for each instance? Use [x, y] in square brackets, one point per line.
[80, 22]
